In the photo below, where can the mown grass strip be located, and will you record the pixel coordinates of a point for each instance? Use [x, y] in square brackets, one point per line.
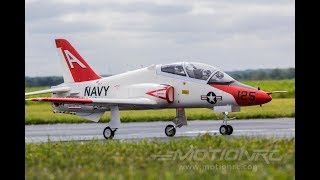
[204, 157]
[275, 85]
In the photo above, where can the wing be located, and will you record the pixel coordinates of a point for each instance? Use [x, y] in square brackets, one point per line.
[96, 101]
[95, 116]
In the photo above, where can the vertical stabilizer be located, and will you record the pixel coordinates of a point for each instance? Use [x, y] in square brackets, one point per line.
[75, 68]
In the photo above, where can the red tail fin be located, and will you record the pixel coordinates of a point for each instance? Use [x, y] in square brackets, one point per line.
[77, 68]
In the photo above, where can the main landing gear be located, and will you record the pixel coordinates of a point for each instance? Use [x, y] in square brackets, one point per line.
[225, 129]
[108, 133]
[179, 121]
[114, 123]
[170, 130]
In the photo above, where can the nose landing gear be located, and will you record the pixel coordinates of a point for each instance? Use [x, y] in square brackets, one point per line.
[225, 129]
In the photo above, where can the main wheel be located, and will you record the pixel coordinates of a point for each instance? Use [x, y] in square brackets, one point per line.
[108, 133]
[223, 129]
[230, 130]
[170, 130]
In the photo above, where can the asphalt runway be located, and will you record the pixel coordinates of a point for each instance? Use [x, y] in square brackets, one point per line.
[280, 128]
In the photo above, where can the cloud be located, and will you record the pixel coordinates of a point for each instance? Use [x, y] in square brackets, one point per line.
[60, 27]
[44, 10]
[114, 33]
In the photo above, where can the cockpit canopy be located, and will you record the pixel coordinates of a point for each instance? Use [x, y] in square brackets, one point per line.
[174, 68]
[198, 71]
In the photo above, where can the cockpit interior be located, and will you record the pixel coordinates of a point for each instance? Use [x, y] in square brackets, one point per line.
[200, 71]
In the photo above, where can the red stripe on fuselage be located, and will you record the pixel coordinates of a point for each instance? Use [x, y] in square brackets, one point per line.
[244, 96]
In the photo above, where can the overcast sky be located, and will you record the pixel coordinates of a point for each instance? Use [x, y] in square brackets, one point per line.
[115, 36]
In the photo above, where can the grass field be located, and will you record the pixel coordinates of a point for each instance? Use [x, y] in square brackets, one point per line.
[275, 85]
[204, 157]
[280, 106]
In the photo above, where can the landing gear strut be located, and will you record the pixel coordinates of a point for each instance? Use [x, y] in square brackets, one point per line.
[114, 123]
[179, 121]
[225, 129]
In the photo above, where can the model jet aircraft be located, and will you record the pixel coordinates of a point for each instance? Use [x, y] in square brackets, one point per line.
[178, 85]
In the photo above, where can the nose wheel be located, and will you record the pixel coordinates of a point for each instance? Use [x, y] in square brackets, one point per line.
[225, 129]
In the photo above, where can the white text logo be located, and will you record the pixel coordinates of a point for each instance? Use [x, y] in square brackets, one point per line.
[71, 59]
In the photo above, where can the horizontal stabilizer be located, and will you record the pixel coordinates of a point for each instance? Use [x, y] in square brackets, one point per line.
[96, 101]
[62, 100]
[53, 90]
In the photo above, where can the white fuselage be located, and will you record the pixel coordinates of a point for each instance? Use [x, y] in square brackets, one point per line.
[136, 84]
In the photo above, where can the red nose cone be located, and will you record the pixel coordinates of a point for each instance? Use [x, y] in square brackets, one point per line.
[262, 97]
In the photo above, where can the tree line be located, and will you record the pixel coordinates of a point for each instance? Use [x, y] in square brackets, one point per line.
[263, 74]
[258, 74]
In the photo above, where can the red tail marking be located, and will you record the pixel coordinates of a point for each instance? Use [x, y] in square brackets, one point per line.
[78, 67]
